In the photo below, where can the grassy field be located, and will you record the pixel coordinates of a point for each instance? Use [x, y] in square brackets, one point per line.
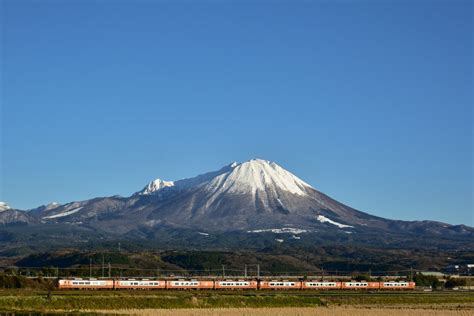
[303, 311]
[146, 301]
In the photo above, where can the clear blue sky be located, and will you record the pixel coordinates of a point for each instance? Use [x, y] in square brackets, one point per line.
[370, 102]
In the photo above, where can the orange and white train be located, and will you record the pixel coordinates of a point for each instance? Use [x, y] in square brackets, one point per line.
[146, 284]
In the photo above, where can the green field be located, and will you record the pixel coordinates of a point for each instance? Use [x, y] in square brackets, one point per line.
[40, 301]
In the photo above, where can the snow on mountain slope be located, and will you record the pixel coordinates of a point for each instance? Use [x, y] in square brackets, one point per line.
[63, 214]
[4, 206]
[155, 185]
[52, 205]
[248, 177]
[324, 219]
[258, 175]
[284, 230]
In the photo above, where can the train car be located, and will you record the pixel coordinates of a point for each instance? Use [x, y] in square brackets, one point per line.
[241, 284]
[80, 284]
[280, 285]
[360, 285]
[315, 285]
[189, 284]
[139, 284]
[392, 285]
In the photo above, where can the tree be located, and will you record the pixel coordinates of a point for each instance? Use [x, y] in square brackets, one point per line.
[426, 280]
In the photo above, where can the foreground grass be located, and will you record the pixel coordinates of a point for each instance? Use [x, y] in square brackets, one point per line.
[321, 311]
[24, 300]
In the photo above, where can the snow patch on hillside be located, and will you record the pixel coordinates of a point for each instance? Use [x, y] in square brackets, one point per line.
[63, 214]
[324, 219]
[285, 230]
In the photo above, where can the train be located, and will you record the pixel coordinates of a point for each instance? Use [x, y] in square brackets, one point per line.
[147, 284]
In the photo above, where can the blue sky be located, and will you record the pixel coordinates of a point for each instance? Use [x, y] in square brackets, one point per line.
[368, 101]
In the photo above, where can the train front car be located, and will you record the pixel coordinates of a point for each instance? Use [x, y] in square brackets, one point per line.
[241, 285]
[140, 284]
[315, 285]
[80, 284]
[397, 285]
[189, 285]
[280, 285]
[362, 285]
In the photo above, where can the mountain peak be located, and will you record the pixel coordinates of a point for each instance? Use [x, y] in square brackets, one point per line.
[258, 175]
[4, 206]
[155, 185]
[52, 205]
[250, 176]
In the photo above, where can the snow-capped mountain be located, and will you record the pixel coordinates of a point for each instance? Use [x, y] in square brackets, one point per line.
[249, 195]
[256, 195]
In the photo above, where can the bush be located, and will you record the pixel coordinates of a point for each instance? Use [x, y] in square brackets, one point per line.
[363, 277]
[454, 282]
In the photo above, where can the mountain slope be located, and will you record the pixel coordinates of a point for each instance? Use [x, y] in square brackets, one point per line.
[9, 216]
[250, 196]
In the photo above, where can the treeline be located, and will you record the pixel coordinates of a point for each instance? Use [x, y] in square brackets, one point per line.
[21, 282]
[432, 281]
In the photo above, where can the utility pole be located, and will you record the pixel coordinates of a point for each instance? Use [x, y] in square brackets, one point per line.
[245, 273]
[109, 270]
[103, 267]
[223, 272]
[258, 271]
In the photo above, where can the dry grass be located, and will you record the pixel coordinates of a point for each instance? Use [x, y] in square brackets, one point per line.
[317, 311]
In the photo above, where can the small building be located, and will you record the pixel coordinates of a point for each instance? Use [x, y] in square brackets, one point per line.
[433, 273]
